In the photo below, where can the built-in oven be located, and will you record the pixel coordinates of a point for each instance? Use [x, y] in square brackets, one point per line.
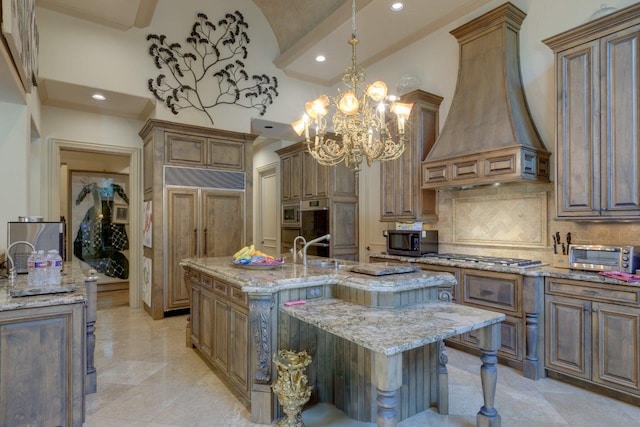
[291, 215]
[314, 223]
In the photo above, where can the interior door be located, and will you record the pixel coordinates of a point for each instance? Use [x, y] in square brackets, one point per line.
[267, 217]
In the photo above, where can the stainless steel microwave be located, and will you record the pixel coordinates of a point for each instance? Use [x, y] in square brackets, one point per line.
[291, 215]
[604, 258]
[411, 242]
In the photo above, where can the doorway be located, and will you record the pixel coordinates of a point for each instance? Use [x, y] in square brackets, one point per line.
[127, 159]
[267, 218]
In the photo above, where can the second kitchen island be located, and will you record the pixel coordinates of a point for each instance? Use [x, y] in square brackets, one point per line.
[375, 335]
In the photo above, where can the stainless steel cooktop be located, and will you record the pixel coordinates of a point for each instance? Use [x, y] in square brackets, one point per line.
[488, 260]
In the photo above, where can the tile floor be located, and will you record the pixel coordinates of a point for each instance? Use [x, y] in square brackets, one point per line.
[147, 377]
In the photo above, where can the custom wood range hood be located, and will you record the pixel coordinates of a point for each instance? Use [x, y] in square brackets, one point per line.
[488, 136]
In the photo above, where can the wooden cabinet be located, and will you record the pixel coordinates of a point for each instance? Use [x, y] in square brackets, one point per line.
[401, 197]
[303, 178]
[593, 333]
[196, 181]
[201, 223]
[43, 366]
[315, 178]
[220, 328]
[291, 170]
[598, 135]
[200, 151]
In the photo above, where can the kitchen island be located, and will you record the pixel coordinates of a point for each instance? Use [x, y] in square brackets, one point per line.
[376, 337]
[46, 349]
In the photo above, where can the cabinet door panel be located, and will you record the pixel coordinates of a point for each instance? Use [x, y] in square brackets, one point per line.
[616, 343]
[239, 340]
[182, 242]
[185, 150]
[207, 323]
[221, 334]
[222, 222]
[621, 101]
[226, 154]
[578, 148]
[567, 337]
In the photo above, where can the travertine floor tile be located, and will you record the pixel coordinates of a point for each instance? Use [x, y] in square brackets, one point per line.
[147, 377]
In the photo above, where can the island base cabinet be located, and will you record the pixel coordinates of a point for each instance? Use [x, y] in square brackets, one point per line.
[595, 339]
[42, 366]
[342, 372]
[220, 329]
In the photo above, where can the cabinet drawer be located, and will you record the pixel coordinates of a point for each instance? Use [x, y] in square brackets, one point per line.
[588, 290]
[238, 296]
[206, 281]
[221, 288]
[487, 289]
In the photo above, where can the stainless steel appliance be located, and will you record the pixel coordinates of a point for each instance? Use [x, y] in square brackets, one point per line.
[43, 235]
[411, 242]
[314, 223]
[604, 258]
[291, 215]
[488, 260]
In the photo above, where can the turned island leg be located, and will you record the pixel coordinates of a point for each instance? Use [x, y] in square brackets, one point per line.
[388, 379]
[489, 337]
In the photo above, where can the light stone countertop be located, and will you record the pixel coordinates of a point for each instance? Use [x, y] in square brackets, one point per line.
[393, 330]
[73, 277]
[543, 271]
[291, 276]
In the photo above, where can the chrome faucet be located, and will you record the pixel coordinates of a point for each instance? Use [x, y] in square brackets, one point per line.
[12, 271]
[295, 247]
[326, 237]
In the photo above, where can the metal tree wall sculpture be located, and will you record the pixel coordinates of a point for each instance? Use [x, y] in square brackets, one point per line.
[212, 73]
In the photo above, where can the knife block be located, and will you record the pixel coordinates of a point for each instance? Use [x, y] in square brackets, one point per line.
[560, 261]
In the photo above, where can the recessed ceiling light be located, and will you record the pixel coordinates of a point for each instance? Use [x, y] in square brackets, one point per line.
[397, 6]
[320, 58]
[98, 96]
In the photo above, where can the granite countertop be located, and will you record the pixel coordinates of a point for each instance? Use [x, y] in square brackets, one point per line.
[290, 276]
[392, 330]
[541, 271]
[70, 291]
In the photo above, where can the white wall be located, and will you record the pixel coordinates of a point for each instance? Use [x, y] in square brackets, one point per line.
[14, 165]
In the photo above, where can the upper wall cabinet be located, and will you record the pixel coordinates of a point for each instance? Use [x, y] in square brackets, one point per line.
[598, 97]
[401, 198]
[218, 152]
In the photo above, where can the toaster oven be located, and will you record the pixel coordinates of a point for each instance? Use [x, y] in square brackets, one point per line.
[604, 258]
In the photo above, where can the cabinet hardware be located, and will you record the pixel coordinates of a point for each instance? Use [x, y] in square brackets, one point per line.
[205, 241]
[195, 241]
[485, 293]
[588, 292]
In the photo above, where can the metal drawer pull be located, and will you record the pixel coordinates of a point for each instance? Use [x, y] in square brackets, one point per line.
[485, 293]
[588, 292]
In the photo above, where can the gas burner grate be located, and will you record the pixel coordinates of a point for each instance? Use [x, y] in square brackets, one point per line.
[488, 260]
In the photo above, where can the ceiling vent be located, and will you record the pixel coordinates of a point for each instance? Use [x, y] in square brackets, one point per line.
[488, 136]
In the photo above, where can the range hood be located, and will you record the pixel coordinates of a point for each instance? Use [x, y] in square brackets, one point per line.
[488, 136]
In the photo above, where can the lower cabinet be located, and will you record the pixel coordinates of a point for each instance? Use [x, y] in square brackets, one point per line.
[220, 328]
[42, 366]
[593, 333]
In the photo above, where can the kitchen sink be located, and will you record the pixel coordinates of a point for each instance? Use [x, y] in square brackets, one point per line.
[327, 263]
